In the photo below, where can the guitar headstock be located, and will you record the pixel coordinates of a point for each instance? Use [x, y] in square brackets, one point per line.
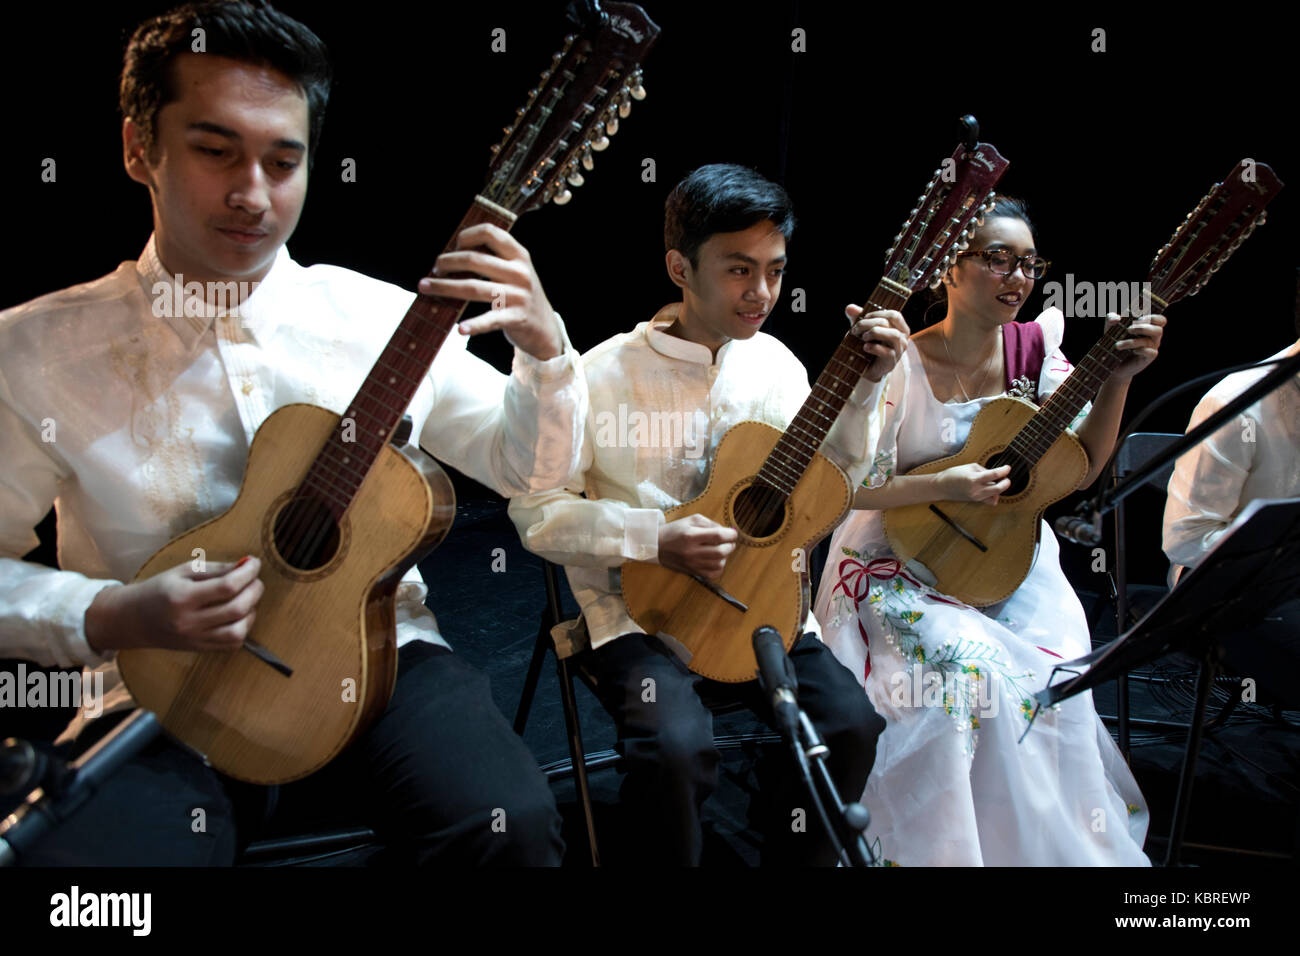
[1213, 231]
[588, 88]
[946, 215]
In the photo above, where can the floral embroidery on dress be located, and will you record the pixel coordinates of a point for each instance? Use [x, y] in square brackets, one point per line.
[882, 469]
[963, 666]
[1023, 388]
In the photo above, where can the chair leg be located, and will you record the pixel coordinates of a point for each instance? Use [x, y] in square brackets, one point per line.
[534, 675]
[1187, 777]
[577, 754]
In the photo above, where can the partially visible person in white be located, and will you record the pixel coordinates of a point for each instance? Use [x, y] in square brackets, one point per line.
[1256, 455]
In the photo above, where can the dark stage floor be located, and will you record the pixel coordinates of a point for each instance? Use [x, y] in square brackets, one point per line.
[1248, 782]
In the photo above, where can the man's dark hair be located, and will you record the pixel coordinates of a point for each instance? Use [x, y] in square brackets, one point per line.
[722, 198]
[251, 31]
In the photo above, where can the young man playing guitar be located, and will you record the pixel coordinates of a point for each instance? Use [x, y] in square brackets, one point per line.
[156, 393]
[700, 366]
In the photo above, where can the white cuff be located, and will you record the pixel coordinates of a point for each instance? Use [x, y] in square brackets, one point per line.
[641, 534]
[530, 369]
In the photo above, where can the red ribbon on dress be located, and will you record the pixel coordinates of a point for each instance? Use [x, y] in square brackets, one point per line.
[855, 582]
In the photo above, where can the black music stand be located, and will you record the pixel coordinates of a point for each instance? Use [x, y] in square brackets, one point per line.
[1253, 568]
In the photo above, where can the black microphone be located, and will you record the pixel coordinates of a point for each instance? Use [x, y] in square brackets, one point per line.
[777, 679]
[23, 768]
[1085, 531]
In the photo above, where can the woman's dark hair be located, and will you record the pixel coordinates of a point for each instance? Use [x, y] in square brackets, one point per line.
[722, 198]
[1004, 207]
[1009, 207]
[251, 31]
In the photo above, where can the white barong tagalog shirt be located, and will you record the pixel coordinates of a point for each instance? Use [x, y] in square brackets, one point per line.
[659, 407]
[137, 425]
[1256, 455]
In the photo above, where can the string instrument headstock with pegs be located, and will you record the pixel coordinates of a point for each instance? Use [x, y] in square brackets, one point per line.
[574, 109]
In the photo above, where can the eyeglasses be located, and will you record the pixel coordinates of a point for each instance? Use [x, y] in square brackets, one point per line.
[1003, 263]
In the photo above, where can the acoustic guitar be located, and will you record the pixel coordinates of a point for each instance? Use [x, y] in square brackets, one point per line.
[335, 513]
[980, 554]
[776, 488]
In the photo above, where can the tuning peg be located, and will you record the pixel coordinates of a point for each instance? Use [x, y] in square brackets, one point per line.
[588, 161]
[575, 178]
[496, 148]
[562, 197]
[635, 87]
[600, 143]
[937, 280]
[611, 125]
[889, 252]
[624, 105]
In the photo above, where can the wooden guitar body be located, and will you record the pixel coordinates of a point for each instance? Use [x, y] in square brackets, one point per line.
[333, 625]
[767, 573]
[1008, 530]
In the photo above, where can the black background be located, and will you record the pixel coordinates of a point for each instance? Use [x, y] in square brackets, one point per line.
[1111, 150]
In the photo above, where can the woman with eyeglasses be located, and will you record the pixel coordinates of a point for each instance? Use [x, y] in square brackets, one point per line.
[953, 783]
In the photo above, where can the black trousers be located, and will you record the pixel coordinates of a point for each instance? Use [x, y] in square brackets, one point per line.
[440, 776]
[665, 734]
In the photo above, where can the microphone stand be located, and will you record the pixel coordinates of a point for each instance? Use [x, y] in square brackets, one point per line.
[852, 818]
[776, 678]
[61, 789]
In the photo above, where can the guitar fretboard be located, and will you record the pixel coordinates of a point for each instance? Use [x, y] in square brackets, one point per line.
[794, 451]
[1079, 388]
[342, 465]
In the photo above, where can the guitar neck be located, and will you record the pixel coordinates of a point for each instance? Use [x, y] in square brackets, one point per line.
[342, 465]
[803, 438]
[1079, 388]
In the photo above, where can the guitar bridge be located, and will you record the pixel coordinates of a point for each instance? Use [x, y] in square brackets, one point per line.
[735, 602]
[959, 529]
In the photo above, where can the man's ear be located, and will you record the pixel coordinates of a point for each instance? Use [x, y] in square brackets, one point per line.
[679, 268]
[133, 153]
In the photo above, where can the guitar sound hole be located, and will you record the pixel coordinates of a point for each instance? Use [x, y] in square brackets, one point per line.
[306, 534]
[759, 511]
[1019, 474]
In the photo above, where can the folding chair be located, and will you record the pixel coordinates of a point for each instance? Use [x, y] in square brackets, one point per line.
[568, 640]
